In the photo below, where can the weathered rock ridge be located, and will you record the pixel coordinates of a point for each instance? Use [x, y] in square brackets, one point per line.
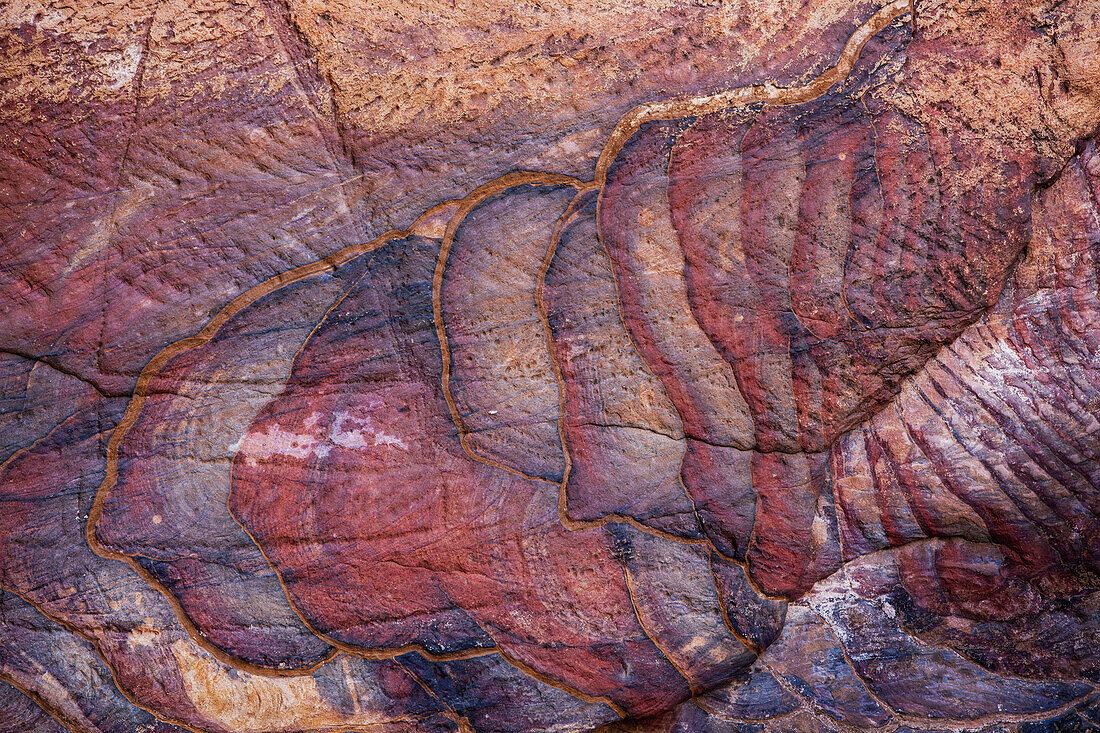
[629, 366]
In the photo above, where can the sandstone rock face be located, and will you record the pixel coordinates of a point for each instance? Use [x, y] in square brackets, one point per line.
[634, 366]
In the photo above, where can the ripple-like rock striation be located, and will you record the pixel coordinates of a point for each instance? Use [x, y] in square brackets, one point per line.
[754, 389]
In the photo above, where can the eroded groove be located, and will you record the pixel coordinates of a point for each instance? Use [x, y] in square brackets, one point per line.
[455, 212]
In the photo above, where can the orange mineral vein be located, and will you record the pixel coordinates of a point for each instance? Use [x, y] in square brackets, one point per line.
[444, 220]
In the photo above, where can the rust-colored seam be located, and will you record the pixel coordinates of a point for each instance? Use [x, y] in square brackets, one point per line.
[188, 625]
[855, 672]
[577, 525]
[593, 699]
[734, 377]
[97, 646]
[492, 188]
[769, 94]
[153, 367]
[567, 218]
[629, 580]
[461, 721]
[751, 645]
[809, 706]
[351, 649]
[38, 441]
[102, 655]
[46, 706]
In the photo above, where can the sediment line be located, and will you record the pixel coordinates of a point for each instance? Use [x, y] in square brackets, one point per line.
[427, 225]
[492, 188]
[768, 94]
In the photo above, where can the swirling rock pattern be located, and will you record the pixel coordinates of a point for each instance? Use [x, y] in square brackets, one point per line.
[645, 367]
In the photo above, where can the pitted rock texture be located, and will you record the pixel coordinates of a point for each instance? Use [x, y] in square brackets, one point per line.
[624, 366]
